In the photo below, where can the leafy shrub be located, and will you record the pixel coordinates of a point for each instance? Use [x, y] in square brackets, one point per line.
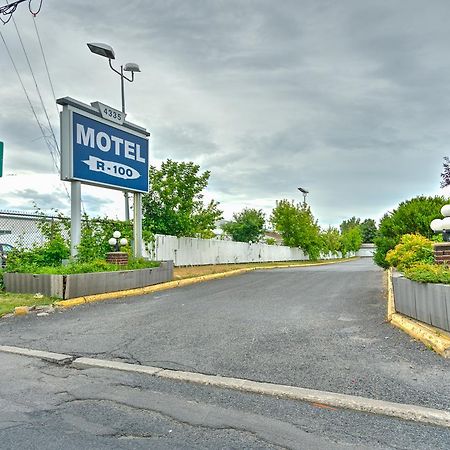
[50, 254]
[246, 226]
[95, 234]
[2, 286]
[413, 249]
[412, 216]
[428, 273]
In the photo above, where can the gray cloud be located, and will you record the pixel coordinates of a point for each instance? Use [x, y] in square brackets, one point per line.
[29, 197]
[347, 98]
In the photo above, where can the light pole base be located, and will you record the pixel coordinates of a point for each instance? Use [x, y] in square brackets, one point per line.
[441, 253]
[117, 258]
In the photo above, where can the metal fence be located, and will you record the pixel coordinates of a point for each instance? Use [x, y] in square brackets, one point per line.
[25, 229]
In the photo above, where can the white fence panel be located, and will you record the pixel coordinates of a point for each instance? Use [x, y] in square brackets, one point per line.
[195, 252]
[366, 251]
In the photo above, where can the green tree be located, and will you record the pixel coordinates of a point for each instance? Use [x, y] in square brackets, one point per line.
[174, 206]
[410, 217]
[351, 240]
[350, 223]
[368, 230]
[297, 226]
[246, 226]
[331, 240]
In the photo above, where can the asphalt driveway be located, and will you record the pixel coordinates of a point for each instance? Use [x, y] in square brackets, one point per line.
[320, 327]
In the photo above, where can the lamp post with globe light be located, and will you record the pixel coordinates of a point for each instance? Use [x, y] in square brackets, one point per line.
[442, 249]
[442, 225]
[117, 257]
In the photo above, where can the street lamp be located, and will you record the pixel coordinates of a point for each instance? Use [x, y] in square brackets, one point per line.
[108, 52]
[442, 225]
[305, 193]
[115, 241]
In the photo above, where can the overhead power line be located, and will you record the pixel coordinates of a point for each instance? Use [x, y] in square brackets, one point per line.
[45, 63]
[9, 9]
[52, 144]
[29, 100]
[48, 141]
[37, 87]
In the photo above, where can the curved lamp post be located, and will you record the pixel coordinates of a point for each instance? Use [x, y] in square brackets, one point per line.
[305, 193]
[107, 51]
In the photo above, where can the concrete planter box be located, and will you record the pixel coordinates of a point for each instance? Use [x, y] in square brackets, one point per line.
[79, 285]
[427, 302]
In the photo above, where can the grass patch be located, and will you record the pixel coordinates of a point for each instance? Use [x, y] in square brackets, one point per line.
[9, 300]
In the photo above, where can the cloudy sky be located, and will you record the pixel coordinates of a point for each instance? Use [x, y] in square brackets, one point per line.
[349, 99]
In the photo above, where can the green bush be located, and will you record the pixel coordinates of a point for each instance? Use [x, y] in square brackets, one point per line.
[412, 216]
[412, 249]
[428, 273]
[50, 254]
[95, 234]
[246, 226]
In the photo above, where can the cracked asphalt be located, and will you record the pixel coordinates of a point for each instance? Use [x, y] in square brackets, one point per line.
[317, 327]
[56, 407]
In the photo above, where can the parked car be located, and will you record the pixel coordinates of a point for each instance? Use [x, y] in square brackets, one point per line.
[4, 250]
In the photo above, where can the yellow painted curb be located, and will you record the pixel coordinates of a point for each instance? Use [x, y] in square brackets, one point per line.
[174, 284]
[145, 290]
[423, 332]
[439, 341]
[391, 300]
[429, 335]
[21, 310]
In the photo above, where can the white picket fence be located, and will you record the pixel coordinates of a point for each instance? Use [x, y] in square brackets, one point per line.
[196, 252]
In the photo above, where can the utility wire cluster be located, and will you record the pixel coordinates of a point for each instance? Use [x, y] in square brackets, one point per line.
[9, 9]
[45, 126]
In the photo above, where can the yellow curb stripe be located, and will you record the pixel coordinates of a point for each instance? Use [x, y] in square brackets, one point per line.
[175, 284]
[146, 290]
[21, 310]
[423, 332]
[391, 300]
[430, 336]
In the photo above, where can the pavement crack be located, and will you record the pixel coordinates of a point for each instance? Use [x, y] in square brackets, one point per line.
[286, 435]
[176, 366]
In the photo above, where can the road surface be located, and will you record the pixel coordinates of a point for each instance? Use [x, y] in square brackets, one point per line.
[315, 327]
